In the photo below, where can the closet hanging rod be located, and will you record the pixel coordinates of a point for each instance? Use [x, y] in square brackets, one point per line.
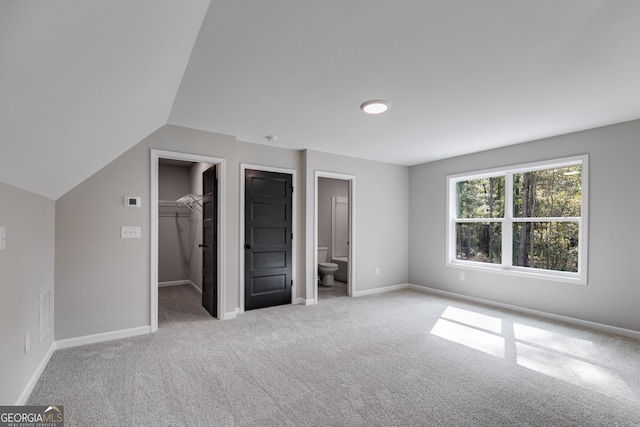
[193, 202]
[174, 214]
[191, 199]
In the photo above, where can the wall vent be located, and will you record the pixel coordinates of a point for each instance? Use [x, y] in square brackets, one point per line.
[45, 313]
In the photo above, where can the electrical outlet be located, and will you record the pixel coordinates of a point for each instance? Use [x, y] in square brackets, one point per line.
[462, 276]
[130, 232]
[26, 343]
[377, 271]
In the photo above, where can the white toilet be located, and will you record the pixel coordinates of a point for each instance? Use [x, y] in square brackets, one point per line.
[326, 270]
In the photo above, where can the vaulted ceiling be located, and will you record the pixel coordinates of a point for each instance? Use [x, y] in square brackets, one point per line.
[83, 81]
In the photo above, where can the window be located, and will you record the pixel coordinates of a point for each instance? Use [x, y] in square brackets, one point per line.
[528, 219]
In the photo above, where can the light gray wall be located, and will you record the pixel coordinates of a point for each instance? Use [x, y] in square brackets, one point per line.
[328, 188]
[382, 218]
[26, 270]
[104, 280]
[612, 294]
[175, 233]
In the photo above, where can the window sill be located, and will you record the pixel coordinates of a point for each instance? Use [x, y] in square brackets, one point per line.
[572, 278]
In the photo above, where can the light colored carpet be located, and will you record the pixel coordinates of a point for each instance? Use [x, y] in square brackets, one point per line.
[396, 359]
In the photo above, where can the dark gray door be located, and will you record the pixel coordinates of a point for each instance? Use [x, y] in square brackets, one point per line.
[210, 241]
[268, 237]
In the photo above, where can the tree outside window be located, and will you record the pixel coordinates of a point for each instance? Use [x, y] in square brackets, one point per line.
[527, 218]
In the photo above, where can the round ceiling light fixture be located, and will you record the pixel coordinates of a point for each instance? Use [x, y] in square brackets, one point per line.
[375, 106]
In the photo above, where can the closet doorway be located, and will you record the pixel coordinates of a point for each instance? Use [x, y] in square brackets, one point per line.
[186, 238]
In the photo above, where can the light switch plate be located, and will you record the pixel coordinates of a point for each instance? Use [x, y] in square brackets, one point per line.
[130, 232]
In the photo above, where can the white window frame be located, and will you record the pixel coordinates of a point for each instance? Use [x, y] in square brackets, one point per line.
[506, 267]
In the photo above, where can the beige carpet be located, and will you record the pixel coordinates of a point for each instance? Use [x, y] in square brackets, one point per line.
[396, 359]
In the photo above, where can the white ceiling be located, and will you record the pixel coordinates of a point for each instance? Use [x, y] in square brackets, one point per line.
[81, 82]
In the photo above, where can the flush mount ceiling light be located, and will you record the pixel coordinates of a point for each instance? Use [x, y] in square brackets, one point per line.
[375, 106]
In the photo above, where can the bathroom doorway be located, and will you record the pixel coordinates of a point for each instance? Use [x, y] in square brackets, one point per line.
[334, 235]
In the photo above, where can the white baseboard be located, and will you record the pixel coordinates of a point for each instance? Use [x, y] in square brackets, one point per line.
[231, 315]
[571, 320]
[74, 342]
[381, 290]
[174, 283]
[179, 283]
[106, 336]
[198, 290]
[22, 399]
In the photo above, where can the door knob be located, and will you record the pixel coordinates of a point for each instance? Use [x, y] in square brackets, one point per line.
[203, 246]
[247, 246]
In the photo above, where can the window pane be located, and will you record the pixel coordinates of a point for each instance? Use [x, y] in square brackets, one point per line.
[548, 193]
[546, 245]
[481, 198]
[481, 242]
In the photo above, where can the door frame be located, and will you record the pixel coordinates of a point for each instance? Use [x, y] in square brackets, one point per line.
[294, 227]
[351, 270]
[156, 155]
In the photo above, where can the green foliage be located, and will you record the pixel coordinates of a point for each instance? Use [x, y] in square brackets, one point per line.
[547, 245]
[481, 198]
[479, 242]
[547, 193]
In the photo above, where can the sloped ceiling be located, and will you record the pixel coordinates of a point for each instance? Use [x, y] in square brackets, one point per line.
[83, 81]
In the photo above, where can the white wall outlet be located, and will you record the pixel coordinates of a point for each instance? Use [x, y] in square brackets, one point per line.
[26, 343]
[3, 238]
[462, 276]
[377, 271]
[130, 232]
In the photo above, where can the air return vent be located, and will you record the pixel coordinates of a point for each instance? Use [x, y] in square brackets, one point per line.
[45, 313]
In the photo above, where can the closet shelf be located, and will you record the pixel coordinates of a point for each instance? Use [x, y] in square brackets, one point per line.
[193, 202]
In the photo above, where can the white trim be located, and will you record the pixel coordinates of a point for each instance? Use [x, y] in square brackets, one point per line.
[156, 155]
[506, 266]
[105, 336]
[26, 392]
[382, 290]
[351, 264]
[309, 301]
[231, 315]
[294, 227]
[543, 314]
[180, 283]
[174, 283]
[522, 167]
